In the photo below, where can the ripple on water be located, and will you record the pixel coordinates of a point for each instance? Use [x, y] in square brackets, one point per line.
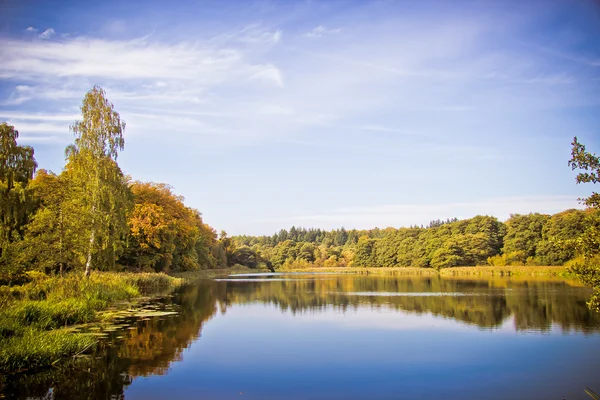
[410, 294]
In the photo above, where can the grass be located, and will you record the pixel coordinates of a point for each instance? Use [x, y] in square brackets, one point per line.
[507, 271]
[215, 273]
[33, 316]
[35, 348]
[369, 270]
[447, 272]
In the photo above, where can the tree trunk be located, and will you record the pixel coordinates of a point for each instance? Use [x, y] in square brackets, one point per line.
[61, 243]
[88, 264]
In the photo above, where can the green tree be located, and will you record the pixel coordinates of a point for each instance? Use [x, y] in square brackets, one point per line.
[523, 234]
[17, 166]
[96, 176]
[52, 237]
[560, 233]
[282, 252]
[307, 252]
[589, 242]
[245, 256]
[365, 255]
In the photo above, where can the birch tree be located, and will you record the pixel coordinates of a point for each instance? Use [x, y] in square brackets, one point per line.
[102, 188]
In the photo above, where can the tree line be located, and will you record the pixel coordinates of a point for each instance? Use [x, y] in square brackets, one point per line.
[91, 215]
[524, 239]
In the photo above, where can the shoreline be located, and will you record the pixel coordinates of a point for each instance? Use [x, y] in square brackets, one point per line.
[556, 272]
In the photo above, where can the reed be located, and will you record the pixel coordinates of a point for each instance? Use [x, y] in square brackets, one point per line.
[33, 316]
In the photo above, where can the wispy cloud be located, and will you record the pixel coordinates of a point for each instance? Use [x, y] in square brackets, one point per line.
[47, 34]
[143, 72]
[31, 29]
[404, 215]
[320, 31]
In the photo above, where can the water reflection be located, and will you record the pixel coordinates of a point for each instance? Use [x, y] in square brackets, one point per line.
[150, 346]
[535, 304]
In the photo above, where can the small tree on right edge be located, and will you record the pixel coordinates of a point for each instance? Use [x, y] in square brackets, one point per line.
[588, 243]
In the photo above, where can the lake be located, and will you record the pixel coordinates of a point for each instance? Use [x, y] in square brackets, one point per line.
[332, 336]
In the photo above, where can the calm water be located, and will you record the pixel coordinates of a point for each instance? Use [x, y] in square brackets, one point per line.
[321, 336]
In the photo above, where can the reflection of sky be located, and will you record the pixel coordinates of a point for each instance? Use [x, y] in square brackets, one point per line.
[372, 353]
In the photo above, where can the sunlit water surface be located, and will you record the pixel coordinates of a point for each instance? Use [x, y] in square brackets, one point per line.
[327, 336]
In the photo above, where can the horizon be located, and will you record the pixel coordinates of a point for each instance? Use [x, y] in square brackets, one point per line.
[266, 115]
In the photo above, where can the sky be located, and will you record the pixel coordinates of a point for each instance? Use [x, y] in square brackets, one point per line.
[361, 114]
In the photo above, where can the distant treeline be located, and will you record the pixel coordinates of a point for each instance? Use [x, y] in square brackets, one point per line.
[531, 239]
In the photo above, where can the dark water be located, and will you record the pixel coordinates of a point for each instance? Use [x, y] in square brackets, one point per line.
[344, 337]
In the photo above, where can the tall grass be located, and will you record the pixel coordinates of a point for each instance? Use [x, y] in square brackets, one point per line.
[447, 272]
[32, 315]
[507, 271]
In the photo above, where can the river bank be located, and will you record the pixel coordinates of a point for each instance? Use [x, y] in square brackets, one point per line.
[35, 317]
[216, 273]
[483, 271]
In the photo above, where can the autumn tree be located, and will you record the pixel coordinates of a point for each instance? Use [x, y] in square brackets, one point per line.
[96, 177]
[164, 234]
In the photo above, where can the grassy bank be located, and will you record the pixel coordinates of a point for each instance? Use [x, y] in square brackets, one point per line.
[369, 271]
[551, 271]
[456, 271]
[33, 316]
[215, 273]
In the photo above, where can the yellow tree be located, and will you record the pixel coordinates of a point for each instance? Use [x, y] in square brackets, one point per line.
[164, 233]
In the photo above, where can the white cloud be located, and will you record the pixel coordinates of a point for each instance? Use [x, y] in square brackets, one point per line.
[47, 34]
[268, 73]
[21, 116]
[31, 29]
[320, 31]
[404, 215]
[123, 60]
[255, 34]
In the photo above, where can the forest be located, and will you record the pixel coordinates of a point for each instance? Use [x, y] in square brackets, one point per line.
[94, 216]
[530, 239]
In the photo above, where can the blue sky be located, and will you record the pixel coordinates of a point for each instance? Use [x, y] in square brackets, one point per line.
[268, 114]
